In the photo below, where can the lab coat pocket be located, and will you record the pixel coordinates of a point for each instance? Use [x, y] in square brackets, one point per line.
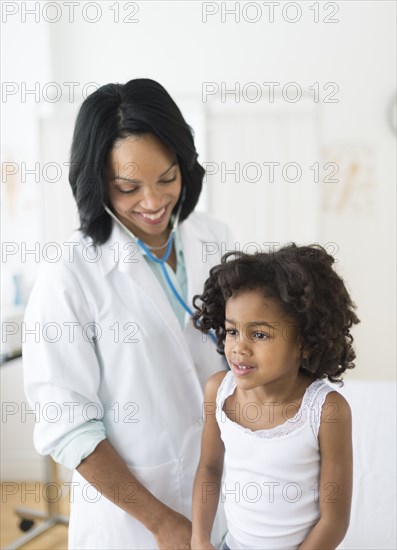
[163, 481]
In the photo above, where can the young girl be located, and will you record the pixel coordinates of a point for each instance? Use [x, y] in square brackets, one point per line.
[283, 322]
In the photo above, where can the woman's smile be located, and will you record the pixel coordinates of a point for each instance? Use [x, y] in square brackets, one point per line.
[154, 217]
[145, 199]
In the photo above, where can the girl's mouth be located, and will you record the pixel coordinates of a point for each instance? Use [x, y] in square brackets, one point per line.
[241, 369]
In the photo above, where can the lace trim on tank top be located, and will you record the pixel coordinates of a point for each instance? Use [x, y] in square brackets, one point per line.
[312, 402]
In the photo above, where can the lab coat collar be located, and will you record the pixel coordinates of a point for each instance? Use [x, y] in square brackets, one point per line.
[193, 236]
[118, 250]
[121, 251]
[124, 254]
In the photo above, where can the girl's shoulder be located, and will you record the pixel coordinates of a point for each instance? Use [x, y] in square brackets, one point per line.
[328, 408]
[335, 433]
[325, 396]
[335, 407]
[213, 384]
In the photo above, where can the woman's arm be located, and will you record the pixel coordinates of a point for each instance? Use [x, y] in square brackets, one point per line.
[105, 469]
[53, 373]
[335, 437]
[208, 478]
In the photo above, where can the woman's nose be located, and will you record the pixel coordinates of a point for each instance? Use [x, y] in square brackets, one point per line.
[152, 199]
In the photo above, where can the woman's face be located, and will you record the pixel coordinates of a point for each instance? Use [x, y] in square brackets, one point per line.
[144, 184]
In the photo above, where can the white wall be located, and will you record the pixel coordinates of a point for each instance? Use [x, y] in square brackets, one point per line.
[171, 44]
[25, 59]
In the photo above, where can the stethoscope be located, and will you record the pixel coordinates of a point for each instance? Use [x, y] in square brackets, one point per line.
[162, 261]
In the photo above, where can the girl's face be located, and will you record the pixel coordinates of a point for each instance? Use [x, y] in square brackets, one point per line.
[262, 345]
[144, 184]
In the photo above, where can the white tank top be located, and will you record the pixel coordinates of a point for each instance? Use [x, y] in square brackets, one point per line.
[270, 488]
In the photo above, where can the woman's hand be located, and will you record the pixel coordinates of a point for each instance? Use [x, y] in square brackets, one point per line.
[201, 545]
[174, 533]
[105, 468]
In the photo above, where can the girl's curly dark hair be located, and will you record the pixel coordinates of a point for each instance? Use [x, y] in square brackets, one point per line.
[308, 290]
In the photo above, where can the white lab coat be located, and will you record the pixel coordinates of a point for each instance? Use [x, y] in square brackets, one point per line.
[142, 375]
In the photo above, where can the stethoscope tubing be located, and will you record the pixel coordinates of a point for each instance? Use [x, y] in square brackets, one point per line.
[162, 261]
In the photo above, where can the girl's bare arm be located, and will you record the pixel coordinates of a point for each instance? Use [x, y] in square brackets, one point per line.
[335, 491]
[208, 478]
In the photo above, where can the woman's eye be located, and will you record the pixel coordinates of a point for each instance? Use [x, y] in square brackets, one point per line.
[129, 192]
[231, 331]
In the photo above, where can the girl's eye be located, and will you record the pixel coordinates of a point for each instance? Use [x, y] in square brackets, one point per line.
[231, 331]
[260, 336]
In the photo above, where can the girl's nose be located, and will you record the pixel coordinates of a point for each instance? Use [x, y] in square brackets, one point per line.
[241, 346]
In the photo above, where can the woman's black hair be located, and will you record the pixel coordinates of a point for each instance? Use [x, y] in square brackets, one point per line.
[116, 111]
[306, 288]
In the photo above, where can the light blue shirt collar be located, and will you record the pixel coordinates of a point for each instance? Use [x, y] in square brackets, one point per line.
[177, 244]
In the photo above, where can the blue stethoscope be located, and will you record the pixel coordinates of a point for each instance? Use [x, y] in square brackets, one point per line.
[162, 261]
